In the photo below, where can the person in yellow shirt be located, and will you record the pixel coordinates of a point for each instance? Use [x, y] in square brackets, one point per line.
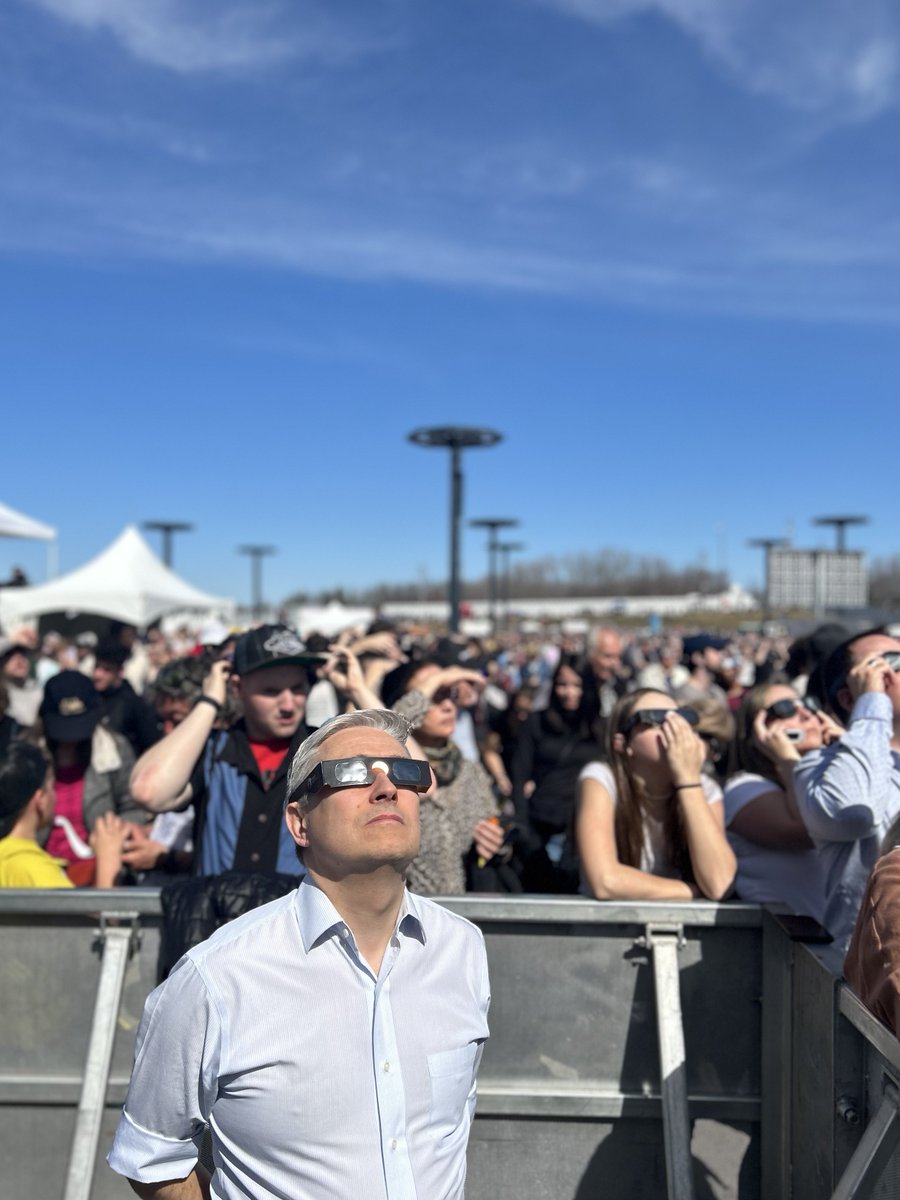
[27, 802]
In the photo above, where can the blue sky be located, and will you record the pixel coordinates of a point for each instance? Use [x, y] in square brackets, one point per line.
[245, 248]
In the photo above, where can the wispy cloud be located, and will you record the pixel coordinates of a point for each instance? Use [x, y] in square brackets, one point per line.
[188, 36]
[810, 54]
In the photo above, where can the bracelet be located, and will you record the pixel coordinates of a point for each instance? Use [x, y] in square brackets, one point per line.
[683, 787]
[201, 699]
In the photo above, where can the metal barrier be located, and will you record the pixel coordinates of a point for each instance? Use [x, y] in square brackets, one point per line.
[637, 1050]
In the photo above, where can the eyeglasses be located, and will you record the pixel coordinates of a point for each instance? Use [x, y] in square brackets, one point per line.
[359, 771]
[654, 717]
[445, 693]
[782, 709]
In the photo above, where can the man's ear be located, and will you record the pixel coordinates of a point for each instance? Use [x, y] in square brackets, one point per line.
[845, 699]
[41, 802]
[295, 820]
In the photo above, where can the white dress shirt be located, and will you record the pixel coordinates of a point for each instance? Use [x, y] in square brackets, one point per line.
[317, 1079]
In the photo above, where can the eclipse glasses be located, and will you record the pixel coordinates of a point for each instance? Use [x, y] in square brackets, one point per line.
[651, 717]
[782, 709]
[359, 771]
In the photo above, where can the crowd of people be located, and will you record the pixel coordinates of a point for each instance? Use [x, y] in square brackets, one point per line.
[614, 765]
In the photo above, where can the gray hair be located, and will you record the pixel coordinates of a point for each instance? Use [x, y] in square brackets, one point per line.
[365, 718]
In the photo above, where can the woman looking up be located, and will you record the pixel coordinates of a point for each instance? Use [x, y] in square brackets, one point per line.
[649, 824]
[776, 859]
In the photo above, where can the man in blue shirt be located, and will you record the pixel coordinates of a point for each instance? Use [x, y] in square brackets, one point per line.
[330, 1039]
[849, 792]
[235, 778]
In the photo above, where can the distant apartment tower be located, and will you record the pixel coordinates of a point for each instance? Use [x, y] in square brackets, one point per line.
[817, 579]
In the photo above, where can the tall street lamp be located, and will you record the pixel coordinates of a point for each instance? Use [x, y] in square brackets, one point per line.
[167, 528]
[455, 438]
[492, 524]
[505, 549]
[257, 554]
[840, 528]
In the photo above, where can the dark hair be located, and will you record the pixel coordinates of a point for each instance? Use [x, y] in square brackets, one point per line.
[110, 650]
[396, 682]
[837, 668]
[182, 678]
[746, 754]
[23, 770]
[629, 816]
[584, 720]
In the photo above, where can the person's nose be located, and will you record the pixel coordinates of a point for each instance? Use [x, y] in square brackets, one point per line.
[382, 789]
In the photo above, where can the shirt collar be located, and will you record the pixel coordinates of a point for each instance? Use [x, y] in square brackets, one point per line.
[318, 917]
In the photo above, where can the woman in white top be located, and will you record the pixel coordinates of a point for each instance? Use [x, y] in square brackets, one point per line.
[649, 824]
[776, 860]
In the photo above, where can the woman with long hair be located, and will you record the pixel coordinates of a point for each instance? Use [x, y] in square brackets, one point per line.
[649, 822]
[554, 745]
[776, 859]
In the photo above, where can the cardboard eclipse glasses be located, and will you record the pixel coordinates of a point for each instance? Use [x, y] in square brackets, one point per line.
[359, 771]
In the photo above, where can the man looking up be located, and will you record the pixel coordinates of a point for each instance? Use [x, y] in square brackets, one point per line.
[849, 792]
[330, 1039]
[235, 778]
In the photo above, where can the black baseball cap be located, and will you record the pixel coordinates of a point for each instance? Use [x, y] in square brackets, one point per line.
[271, 646]
[70, 708]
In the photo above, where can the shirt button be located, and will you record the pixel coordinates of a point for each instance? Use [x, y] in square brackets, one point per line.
[345, 932]
[393, 1143]
[262, 818]
[254, 857]
[387, 1066]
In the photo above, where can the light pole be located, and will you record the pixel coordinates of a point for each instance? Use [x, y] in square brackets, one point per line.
[492, 524]
[455, 438]
[257, 554]
[167, 528]
[505, 549]
[766, 544]
[840, 526]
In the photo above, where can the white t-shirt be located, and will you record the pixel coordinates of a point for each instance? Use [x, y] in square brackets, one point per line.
[765, 876]
[653, 857]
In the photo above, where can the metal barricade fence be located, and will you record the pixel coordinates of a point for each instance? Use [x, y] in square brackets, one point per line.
[637, 1050]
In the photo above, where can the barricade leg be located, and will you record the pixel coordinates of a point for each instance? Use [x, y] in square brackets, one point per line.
[871, 1156]
[663, 942]
[117, 944]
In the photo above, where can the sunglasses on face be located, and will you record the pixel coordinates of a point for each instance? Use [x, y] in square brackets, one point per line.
[782, 709]
[445, 693]
[360, 771]
[654, 717]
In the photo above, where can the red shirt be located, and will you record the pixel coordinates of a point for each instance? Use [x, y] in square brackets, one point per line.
[269, 757]
[69, 804]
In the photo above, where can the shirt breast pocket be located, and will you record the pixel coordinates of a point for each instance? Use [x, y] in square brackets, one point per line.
[451, 1073]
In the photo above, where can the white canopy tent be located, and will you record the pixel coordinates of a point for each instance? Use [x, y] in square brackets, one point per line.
[17, 525]
[126, 582]
[14, 524]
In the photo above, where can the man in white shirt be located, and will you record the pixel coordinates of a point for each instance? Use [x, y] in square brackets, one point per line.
[330, 1039]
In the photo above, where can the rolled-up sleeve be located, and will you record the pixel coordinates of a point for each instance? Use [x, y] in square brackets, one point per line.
[174, 1081]
[844, 793]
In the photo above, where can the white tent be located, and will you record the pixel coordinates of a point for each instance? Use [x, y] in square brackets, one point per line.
[17, 525]
[126, 582]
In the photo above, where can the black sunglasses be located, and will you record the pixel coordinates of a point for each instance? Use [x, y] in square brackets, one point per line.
[656, 716]
[359, 771]
[782, 709]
